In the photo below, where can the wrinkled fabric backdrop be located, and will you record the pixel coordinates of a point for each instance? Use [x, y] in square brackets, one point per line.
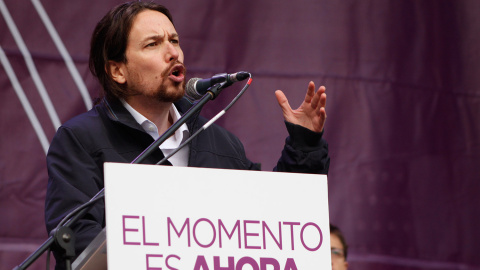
[403, 127]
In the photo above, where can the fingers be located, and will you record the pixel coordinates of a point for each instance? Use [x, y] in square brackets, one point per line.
[311, 114]
[310, 92]
[311, 95]
[323, 117]
[320, 109]
[281, 98]
[322, 96]
[321, 112]
[319, 100]
[282, 101]
[314, 100]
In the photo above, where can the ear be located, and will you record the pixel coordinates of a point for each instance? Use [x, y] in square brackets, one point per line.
[116, 70]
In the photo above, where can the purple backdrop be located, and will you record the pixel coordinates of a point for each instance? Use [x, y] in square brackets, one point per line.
[403, 127]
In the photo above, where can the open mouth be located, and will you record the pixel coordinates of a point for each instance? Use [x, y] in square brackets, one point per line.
[178, 71]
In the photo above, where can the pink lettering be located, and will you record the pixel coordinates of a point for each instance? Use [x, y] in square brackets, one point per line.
[195, 233]
[246, 234]
[200, 263]
[125, 230]
[264, 262]
[144, 235]
[216, 263]
[319, 231]
[148, 261]
[167, 261]
[290, 264]
[291, 232]
[186, 224]
[247, 260]
[279, 242]
[237, 226]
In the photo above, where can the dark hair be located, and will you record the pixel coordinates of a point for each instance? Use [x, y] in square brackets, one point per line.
[336, 231]
[109, 42]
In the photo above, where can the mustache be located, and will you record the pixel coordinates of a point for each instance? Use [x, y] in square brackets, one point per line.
[172, 65]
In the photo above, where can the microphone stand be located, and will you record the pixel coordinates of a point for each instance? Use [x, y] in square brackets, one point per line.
[64, 236]
[211, 94]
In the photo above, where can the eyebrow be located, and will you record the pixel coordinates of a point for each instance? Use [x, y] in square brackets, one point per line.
[153, 37]
[157, 37]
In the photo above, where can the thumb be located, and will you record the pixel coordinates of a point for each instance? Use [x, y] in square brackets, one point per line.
[282, 101]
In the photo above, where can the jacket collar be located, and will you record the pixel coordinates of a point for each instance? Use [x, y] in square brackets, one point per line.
[118, 113]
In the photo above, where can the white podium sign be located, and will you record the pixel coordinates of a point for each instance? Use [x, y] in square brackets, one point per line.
[164, 217]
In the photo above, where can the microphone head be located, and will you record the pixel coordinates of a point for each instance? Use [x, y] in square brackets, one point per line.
[190, 89]
[241, 75]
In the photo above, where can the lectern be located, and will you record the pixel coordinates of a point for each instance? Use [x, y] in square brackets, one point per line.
[94, 257]
[197, 218]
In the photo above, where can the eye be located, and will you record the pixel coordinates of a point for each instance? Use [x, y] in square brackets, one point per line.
[153, 44]
[175, 41]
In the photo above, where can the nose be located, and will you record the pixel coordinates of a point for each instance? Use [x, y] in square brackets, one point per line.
[172, 52]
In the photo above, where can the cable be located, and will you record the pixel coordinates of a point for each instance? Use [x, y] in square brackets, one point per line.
[78, 209]
[206, 125]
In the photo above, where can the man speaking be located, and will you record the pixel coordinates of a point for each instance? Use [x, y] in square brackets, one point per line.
[136, 55]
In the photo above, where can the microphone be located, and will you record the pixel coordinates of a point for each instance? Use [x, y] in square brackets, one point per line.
[197, 87]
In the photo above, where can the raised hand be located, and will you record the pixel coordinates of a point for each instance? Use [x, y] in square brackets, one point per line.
[311, 114]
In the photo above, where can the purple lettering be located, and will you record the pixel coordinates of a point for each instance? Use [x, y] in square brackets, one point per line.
[291, 231]
[247, 260]
[237, 226]
[185, 224]
[168, 259]
[321, 236]
[195, 234]
[246, 234]
[269, 261]
[200, 263]
[148, 261]
[290, 264]
[125, 230]
[144, 234]
[279, 243]
[216, 263]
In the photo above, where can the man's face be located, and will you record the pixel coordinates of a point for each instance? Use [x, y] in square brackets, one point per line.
[338, 257]
[154, 67]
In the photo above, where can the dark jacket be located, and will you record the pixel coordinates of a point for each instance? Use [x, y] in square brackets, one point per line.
[108, 133]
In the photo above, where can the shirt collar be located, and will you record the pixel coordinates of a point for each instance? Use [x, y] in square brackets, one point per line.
[180, 135]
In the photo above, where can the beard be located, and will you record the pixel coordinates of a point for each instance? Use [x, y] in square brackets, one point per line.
[168, 91]
[163, 94]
